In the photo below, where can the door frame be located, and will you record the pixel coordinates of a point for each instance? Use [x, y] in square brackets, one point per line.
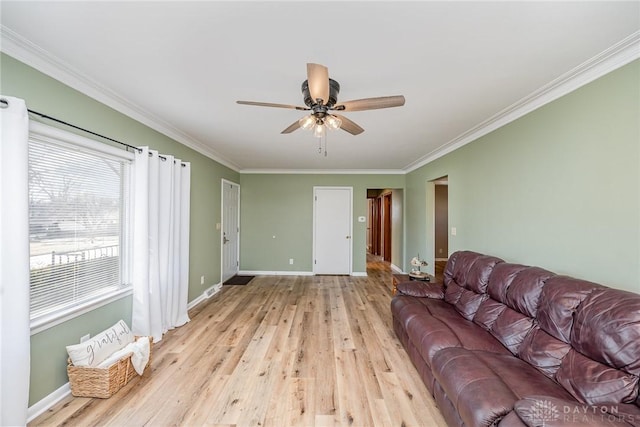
[386, 226]
[222, 205]
[313, 252]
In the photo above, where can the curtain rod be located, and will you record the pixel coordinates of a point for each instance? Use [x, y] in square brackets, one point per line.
[45, 116]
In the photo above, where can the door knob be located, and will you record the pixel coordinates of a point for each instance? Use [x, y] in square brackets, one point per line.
[348, 237]
[224, 240]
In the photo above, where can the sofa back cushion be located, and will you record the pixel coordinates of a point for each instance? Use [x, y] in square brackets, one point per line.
[466, 280]
[510, 311]
[501, 280]
[468, 303]
[544, 352]
[559, 300]
[479, 273]
[511, 328]
[606, 328]
[524, 293]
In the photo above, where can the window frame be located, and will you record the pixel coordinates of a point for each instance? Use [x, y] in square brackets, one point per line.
[55, 136]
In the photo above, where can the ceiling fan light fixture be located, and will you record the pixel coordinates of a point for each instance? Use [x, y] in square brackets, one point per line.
[306, 122]
[318, 130]
[333, 122]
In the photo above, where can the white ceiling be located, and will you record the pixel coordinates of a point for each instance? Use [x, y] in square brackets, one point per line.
[180, 67]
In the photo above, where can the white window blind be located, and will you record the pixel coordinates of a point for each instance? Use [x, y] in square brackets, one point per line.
[78, 222]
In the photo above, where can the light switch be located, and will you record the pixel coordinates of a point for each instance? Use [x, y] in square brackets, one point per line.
[453, 231]
[218, 226]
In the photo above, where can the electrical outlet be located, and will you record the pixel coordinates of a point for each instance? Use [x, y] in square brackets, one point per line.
[290, 261]
[85, 338]
[202, 280]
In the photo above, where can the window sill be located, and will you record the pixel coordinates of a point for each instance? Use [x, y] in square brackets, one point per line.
[45, 322]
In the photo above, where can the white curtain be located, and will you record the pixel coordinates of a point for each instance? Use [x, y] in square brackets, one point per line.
[14, 263]
[162, 187]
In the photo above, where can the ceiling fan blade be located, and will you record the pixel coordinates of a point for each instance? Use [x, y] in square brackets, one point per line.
[294, 126]
[269, 104]
[318, 79]
[371, 103]
[349, 125]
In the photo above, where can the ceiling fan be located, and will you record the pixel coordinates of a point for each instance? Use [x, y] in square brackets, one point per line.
[320, 94]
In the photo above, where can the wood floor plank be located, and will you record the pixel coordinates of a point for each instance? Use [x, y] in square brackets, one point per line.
[279, 351]
[354, 407]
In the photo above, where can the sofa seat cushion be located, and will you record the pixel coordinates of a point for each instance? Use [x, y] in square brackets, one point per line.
[470, 335]
[426, 333]
[484, 386]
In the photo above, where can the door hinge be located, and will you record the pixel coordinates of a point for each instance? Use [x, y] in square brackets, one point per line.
[316, 197]
[315, 261]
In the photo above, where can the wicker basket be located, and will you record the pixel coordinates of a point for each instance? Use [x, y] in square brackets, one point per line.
[103, 382]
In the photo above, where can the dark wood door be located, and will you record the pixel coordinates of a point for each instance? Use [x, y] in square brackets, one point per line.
[386, 227]
[375, 227]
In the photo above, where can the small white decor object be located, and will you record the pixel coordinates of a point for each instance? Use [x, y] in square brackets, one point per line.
[416, 273]
[95, 350]
[139, 350]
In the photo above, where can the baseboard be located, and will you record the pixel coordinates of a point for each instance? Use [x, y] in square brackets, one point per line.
[359, 274]
[275, 273]
[396, 269]
[208, 293]
[46, 403]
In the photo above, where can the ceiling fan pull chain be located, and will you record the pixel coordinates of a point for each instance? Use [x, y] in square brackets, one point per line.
[325, 145]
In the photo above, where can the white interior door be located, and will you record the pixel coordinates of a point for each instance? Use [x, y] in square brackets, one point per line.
[332, 221]
[230, 229]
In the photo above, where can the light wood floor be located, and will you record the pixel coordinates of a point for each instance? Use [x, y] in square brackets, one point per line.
[280, 351]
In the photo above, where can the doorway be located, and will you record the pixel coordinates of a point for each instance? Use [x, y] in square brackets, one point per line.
[386, 227]
[441, 223]
[384, 223]
[230, 227]
[332, 227]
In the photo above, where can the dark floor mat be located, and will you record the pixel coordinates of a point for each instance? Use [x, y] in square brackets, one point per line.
[238, 280]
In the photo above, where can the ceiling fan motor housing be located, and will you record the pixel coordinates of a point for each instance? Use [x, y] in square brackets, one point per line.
[334, 89]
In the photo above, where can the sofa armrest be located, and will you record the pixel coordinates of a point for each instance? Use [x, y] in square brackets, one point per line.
[546, 411]
[421, 289]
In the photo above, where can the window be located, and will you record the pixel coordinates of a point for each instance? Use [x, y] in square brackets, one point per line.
[78, 224]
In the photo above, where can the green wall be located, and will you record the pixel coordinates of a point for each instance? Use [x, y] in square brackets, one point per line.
[281, 205]
[49, 96]
[559, 188]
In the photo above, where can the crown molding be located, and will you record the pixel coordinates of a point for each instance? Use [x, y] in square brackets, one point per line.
[618, 55]
[29, 53]
[325, 171]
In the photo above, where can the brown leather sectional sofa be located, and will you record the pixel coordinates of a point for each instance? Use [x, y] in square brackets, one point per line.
[511, 345]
